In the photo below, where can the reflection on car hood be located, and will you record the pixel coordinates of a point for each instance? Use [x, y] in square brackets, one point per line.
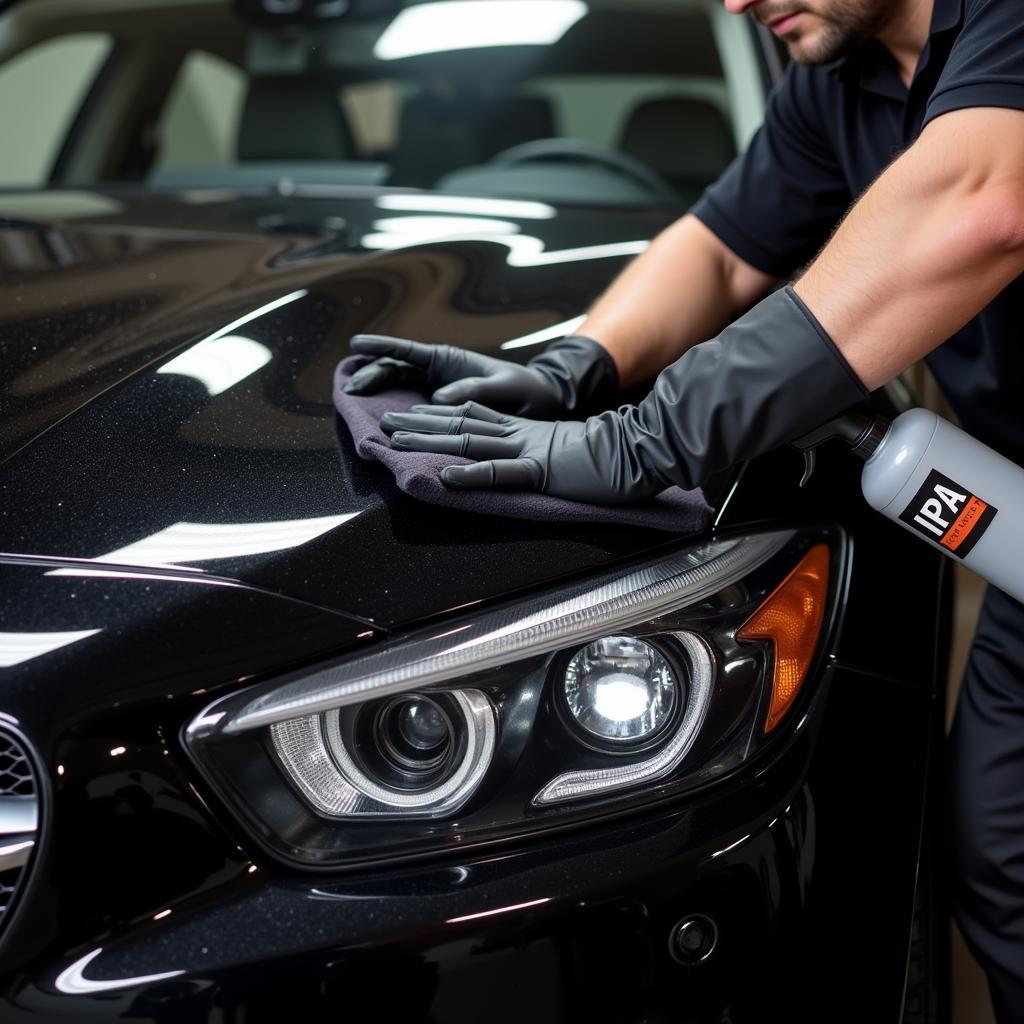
[165, 374]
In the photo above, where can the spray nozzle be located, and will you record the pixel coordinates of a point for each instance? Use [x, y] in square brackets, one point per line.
[862, 431]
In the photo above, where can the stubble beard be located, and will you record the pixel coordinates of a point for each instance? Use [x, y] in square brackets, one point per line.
[844, 24]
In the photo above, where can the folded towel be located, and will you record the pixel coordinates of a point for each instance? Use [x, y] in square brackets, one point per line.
[419, 474]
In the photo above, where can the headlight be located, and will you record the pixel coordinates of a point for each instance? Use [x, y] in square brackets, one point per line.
[408, 753]
[583, 701]
[674, 746]
[620, 689]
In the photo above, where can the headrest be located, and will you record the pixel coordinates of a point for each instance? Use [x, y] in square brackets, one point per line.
[687, 141]
[434, 136]
[438, 134]
[293, 119]
[508, 121]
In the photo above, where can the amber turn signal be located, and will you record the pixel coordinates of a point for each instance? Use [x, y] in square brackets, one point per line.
[791, 618]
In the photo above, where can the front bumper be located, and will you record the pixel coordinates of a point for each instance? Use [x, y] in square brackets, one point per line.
[806, 863]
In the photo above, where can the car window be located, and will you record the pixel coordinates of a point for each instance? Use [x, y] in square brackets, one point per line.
[421, 99]
[56, 74]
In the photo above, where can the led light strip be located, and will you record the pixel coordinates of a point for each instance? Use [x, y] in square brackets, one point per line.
[574, 785]
[541, 625]
[339, 788]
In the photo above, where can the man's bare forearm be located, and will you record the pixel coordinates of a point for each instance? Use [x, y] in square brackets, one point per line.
[929, 245]
[683, 290]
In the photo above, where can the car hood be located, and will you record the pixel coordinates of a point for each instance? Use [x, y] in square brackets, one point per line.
[165, 375]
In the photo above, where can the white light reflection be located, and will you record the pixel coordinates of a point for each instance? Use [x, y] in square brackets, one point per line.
[208, 721]
[561, 330]
[220, 363]
[195, 542]
[731, 846]
[520, 208]
[342, 897]
[15, 855]
[398, 232]
[466, 24]
[499, 910]
[131, 574]
[16, 648]
[72, 980]
[527, 251]
[524, 250]
[209, 363]
[257, 313]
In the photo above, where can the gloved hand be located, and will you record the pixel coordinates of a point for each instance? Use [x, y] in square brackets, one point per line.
[771, 376]
[570, 377]
[566, 458]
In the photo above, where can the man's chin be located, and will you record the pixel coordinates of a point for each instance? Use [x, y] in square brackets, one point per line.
[811, 48]
[800, 53]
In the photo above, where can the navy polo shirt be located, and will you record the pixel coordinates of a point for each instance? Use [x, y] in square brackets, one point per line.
[830, 130]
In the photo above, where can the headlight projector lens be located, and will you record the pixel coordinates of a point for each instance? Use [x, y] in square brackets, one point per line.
[415, 733]
[621, 690]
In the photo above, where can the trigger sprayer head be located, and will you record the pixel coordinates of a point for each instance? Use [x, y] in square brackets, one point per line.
[862, 431]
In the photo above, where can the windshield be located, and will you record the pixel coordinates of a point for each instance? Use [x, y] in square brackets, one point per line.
[604, 101]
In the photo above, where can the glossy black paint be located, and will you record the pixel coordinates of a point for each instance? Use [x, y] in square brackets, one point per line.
[807, 863]
[111, 465]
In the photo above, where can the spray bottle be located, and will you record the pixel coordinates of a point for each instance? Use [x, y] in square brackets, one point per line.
[941, 484]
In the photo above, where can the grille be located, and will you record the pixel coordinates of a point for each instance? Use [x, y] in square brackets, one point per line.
[8, 885]
[16, 775]
[19, 820]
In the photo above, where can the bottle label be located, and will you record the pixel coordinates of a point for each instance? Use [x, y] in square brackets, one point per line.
[949, 514]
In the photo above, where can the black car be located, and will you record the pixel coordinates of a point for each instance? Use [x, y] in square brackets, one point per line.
[278, 742]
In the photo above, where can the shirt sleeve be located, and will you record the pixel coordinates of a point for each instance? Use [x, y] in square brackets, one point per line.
[777, 203]
[985, 68]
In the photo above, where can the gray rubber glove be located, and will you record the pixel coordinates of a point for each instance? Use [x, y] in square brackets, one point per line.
[571, 376]
[771, 376]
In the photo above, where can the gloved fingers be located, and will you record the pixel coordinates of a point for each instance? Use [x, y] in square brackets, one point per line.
[399, 348]
[511, 474]
[473, 410]
[461, 391]
[382, 375]
[427, 423]
[469, 446]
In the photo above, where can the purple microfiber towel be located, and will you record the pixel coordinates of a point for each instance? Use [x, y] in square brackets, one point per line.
[419, 473]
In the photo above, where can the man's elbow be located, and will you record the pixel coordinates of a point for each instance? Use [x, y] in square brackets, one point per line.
[971, 163]
[997, 218]
[985, 224]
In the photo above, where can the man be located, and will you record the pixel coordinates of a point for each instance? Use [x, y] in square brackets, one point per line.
[917, 108]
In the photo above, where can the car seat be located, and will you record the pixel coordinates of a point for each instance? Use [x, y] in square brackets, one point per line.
[293, 119]
[689, 142]
[438, 134]
[511, 120]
